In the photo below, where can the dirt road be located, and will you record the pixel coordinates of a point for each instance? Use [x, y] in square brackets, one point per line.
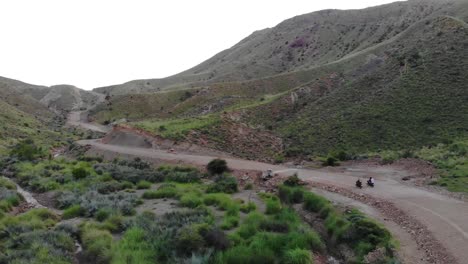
[76, 118]
[445, 217]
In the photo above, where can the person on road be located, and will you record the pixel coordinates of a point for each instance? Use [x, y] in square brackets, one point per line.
[371, 182]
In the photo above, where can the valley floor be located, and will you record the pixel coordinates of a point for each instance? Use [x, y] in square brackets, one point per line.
[444, 217]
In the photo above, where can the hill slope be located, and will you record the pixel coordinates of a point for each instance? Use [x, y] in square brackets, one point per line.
[406, 92]
[37, 112]
[301, 42]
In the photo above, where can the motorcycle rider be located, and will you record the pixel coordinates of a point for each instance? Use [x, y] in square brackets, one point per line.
[371, 182]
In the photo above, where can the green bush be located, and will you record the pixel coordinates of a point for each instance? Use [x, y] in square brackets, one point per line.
[273, 204]
[336, 225]
[292, 181]
[221, 200]
[143, 184]
[245, 255]
[97, 244]
[114, 223]
[217, 167]
[230, 222]
[306, 238]
[315, 203]
[79, 173]
[164, 191]
[290, 195]
[330, 161]
[183, 175]
[225, 184]
[278, 159]
[26, 150]
[191, 200]
[188, 240]
[133, 248]
[298, 256]
[4, 182]
[102, 214]
[249, 207]
[73, 211]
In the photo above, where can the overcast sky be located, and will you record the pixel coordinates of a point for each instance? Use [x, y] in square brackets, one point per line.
[93, 43]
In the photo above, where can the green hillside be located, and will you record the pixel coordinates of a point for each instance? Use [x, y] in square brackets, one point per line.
[16, 125]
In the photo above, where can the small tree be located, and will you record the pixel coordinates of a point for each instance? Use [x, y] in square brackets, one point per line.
[330, 161]
[217, 166]
[79, 173]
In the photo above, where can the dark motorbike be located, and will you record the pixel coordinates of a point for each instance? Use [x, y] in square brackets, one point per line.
[359, 184]
[371, 184]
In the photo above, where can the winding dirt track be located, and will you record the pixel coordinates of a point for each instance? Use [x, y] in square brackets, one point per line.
[445, 217]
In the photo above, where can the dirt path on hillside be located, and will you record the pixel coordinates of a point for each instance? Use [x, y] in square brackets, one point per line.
[78, 119]
[444, 217]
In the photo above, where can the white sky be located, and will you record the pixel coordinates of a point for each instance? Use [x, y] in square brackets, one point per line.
[92, 43]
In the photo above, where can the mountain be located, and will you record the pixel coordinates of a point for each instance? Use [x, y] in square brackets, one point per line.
[400, 92]
[37, 112]
[302, 42]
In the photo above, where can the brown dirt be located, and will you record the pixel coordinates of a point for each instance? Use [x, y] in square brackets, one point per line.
[240, 140]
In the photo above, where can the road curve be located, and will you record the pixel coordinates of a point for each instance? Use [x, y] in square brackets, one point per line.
[75, 119]
[445, 217]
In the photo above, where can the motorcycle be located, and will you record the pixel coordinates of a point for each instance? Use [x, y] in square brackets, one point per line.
[371, 184]
[359, 184]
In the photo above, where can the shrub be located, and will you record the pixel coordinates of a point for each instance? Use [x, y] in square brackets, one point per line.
[92, 201]
[298, 256]
[38, 246]
[96, 244]
[133, 248]
[245, 255]
[336, 225]
[249, 207]
[26, 150]
[114, 223]
[330, 161]
[216, 239]
[225, 184]
[217, 167]
[290, 195]
[143, 184]
[102, 214]
[191, 200]
[230, 222]
[79, 173]
[273, 204]
[292, 181]
[305, 238]
[73, 211]
[271, 225]
[164, 191]
[278, 159]
[4, 182]
[315, 203]
[188, 240]
[183, 175]
[223, 201]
